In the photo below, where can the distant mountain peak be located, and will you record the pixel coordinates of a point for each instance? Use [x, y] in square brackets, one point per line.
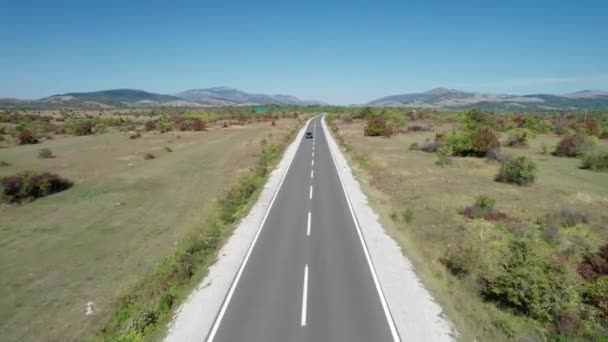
[440, 91]
[232, 96]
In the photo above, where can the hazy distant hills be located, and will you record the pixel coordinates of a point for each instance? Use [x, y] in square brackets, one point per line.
[219, 96]
[231, 96]
[441, 98]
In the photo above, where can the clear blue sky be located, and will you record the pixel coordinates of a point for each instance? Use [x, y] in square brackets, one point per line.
[338, 51]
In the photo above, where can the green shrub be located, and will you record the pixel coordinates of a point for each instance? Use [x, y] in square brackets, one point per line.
[574, 146]
[4, 163]
[596, 293]
[364, 113]
[168, 149]
[466, 142]
[529, 285]
[79, 127]
[460, 259]
[595, 161]
[377, 126]
[148, 156]
[536, 125]
[414, 146]
[520, 171]
[45, 153]
[408, 215]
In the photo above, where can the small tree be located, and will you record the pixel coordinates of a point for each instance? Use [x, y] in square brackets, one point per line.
[25, 137]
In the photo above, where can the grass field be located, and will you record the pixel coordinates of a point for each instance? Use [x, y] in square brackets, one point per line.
[420, 203]
[123, 215]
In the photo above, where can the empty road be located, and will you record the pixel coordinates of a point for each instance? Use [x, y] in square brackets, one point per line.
[307, 276]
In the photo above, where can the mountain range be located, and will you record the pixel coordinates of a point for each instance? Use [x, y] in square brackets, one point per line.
[218, 96]
[438, 98]
[443, 98]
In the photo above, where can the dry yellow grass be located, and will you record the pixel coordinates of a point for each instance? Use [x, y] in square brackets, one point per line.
[399, 180]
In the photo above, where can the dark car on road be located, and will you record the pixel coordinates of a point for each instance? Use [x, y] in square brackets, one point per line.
[308, 135]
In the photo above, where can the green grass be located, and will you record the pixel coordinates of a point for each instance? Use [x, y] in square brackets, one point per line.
[123, 216]
[397, 180]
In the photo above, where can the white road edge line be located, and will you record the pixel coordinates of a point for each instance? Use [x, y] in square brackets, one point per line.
[235, 282]
[308, 225]
[385, 308]
[310, 195]
[304, 297]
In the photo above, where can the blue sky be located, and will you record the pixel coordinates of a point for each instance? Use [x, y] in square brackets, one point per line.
[341, 52]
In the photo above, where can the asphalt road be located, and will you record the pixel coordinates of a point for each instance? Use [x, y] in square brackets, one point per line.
[307, 277]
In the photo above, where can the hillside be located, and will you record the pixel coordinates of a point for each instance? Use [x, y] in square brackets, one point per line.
[457, 99]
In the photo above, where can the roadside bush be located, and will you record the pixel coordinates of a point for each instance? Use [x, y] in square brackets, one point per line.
[484, 208]
[460, 259]
[376, 126]
[595, 161]
[149, 156]
[45, 153]
[529, 285]
[520, 171]
[28, 186]
[573, 146]
[408, 215]
[26, 137]
[4, 163]
[414, 146]
[168, 149]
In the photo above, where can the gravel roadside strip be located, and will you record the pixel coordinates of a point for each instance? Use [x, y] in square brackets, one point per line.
[194, 318]
[416, 314]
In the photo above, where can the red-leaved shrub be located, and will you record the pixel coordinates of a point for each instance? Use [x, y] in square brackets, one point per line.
[595, 265]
